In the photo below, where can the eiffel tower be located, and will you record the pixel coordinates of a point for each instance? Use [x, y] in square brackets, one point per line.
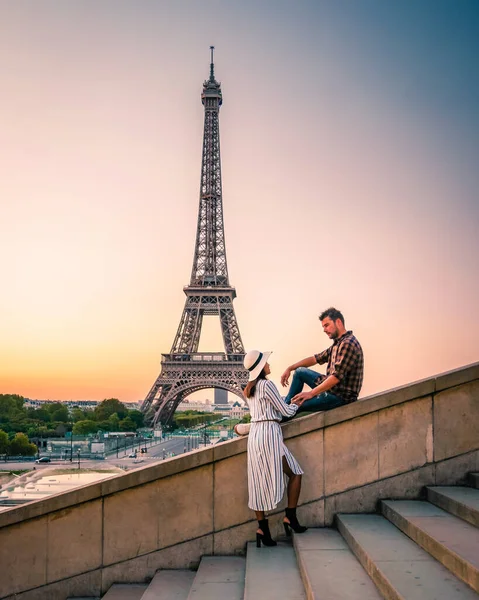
[185, 370]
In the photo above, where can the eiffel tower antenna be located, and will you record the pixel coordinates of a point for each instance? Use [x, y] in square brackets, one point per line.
[212, 64]
[185, 370]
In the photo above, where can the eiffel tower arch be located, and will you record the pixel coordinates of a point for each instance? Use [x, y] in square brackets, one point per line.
[185, 370]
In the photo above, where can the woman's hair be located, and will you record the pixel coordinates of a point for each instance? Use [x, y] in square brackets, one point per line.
[251, 385]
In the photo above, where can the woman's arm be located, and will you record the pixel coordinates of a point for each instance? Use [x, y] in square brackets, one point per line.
[273, 396]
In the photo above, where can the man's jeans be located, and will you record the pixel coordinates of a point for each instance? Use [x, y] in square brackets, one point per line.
[324, 401]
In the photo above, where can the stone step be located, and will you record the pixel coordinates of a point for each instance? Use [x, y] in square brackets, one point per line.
[450, 540]
[473, 480]
[400, 569]
[170, 585]
[272, 573]
[125, 591]
[218, 578]
[460, 501]
[329, 569]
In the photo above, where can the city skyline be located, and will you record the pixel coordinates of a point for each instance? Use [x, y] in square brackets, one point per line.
[349, 140]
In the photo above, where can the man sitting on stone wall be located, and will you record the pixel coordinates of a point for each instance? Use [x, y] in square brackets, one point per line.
[344, 372]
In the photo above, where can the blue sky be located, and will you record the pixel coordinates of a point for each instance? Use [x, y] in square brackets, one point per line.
[350, 144]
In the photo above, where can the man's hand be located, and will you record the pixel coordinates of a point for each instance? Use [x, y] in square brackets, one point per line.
[302, 397]
[285, 377]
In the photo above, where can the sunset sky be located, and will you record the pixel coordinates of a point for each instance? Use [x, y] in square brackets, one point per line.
[350, 162]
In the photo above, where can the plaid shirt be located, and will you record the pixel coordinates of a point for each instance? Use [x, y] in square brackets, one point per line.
[345, 361]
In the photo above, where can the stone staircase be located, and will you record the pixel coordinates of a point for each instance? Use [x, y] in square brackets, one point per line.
[413, 550]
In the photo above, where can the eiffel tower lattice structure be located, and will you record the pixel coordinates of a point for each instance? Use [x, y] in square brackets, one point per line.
[185, 370]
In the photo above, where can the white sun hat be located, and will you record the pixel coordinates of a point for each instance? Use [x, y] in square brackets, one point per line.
[254, 362]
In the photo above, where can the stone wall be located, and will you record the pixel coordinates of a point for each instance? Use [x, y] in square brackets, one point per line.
[168, 515]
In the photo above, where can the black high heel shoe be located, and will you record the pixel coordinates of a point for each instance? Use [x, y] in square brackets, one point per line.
[293, 523]
[264, 537]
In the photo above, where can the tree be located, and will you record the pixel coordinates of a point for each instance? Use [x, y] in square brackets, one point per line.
[104, 426]
[138, 417]
[78, 414]
[114, 422]
[41, 414]
[60, 414]
[11, 404]
[61, 429]
[21, 446]
[127, 425]
[108, 407]
[12, 413]
[4, 443]
[85, 427]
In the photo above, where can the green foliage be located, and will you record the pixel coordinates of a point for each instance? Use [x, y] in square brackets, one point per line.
[10, 404]
[127, 425]
[85, 427]
[104, 426]
[21, 446]
[4, 442]
[138, 417]
[12, 412]
[114, 422]
[41, 414]
[108, 407]
[53, 419]
[80, 415]
[60, 413]
[191, 418]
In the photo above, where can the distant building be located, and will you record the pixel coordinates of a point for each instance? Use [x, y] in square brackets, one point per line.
[198, 406]
[238, 411]
[234, 410]
[221, 396]
[82, 404]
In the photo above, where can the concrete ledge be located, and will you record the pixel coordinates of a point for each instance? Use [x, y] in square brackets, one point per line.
[38, 508]
[455, 377]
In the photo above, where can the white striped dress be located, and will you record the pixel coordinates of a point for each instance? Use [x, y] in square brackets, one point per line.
[266, 447]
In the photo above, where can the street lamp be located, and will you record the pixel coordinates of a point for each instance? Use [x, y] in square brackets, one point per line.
[78, 458]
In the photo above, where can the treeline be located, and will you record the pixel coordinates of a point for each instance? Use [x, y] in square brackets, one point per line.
[19, 445]
[192, 418]
[54, 419]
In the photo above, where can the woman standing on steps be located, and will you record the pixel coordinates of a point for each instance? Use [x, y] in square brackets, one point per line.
[268, 457]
